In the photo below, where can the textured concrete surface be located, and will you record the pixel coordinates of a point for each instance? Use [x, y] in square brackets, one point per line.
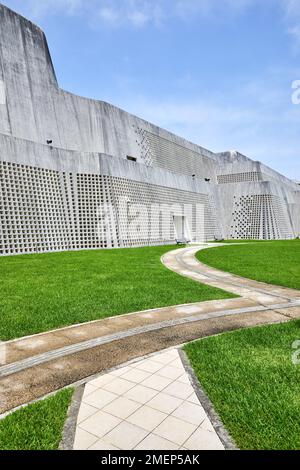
[23, 348]
[44, 358]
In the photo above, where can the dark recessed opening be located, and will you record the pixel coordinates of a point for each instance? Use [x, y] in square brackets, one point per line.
[131, 159]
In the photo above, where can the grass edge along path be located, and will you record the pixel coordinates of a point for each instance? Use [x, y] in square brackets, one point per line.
[253, 384]
[38, 426]
[273, 262]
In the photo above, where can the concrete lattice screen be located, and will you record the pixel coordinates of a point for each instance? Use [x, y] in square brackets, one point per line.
[239, 177]
[44, 210]
[260, 217]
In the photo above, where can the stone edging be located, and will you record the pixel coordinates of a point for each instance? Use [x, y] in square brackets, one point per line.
[69, 430]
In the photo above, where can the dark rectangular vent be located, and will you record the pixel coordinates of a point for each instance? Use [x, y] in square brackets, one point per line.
[131, 159]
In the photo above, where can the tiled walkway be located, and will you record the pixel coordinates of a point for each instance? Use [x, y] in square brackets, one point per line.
[147, 405]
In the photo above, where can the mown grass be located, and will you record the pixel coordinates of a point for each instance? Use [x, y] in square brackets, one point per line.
[47, 291]
[274, 262]
[254, 385]
[243, 241]
[38, 426]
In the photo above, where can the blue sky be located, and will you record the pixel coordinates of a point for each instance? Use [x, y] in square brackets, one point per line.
[218, 72]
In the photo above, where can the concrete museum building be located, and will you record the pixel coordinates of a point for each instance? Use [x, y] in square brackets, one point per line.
[76, 173]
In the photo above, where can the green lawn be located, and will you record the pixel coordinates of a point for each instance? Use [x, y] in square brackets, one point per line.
[242, 241]
[254, 385]
[38, 426]
[47, 291]
[274, 262]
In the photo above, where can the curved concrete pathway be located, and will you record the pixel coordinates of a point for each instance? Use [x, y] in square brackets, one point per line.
[38, 365]
[185, 263]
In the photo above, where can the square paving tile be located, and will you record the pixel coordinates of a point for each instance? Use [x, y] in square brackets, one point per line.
[147, 418]
[118, 386]
[153, 442]
[175, 430]
[101, 445]
[120, 371]
[125, 436]
[102, 380]
[100, 423]
[177, 363]
[164, 358]
[191, 413]
[140, 394]
[83, 439]
[85, 412]
[170, 372]
[136, 375]
[157, 382]
[184, 379]
[122, 407]
[206, 424]
[193, 398]
[88, 389]
[203, 440]
[164, 403]
[179, 390]
[99, 398]
[148, 366]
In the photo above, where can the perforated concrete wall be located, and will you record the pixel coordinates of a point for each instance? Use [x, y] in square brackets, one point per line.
[169, 155]
[239, 177]
[44, 210]
[260, 216]
[32, 210]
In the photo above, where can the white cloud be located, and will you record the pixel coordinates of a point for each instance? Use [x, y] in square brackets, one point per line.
[119, 13]
[187, 9]
[294, 31]
[291, 12]
[137, 13]
[40, 8]
[108, 15]
[142, 13]
[138, 18]
[291, 8]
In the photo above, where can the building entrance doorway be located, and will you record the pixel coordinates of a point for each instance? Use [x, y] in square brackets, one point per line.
[182, 231]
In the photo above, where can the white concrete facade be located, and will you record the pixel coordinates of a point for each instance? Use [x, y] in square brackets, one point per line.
[82, 174]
